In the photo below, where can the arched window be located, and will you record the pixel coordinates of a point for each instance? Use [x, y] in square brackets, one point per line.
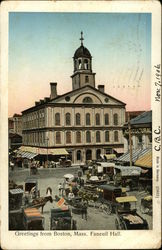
[98, 153]
[116, 138]
[68, 137]
[58, 138]
[107, 139]
[85, 64]
[115, 119]
[97, 119]
[106, 119]
[88, 136]
[78, 137]
[77, 119]
[88, 119]
[98, 139]
[78, 155]
[57, 119]
[68, 119]
[80, 63]
[87, 99]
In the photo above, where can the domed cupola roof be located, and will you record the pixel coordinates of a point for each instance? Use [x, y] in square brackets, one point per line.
[82, 51]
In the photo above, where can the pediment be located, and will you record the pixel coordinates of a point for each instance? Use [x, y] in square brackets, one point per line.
[87, 95]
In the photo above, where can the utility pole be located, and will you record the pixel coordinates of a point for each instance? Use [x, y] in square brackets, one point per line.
[130, 140]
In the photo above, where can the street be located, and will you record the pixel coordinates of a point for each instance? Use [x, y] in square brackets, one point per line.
[96, 220]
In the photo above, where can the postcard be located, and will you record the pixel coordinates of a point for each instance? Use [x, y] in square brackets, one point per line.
[80, 125]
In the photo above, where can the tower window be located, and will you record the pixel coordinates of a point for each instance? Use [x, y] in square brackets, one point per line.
[85, 64]
[80, 63]
[86, 79]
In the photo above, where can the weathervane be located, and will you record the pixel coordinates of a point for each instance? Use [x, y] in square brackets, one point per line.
[81, 39]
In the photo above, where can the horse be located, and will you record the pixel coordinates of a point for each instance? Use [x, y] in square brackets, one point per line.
[41, 202]
[49, 191]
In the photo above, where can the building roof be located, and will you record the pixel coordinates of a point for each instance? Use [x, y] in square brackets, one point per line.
[82, 52]
[143, 118]
[41, 105]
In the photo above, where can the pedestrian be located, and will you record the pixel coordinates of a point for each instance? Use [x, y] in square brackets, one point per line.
[60, 189]
[84, 210]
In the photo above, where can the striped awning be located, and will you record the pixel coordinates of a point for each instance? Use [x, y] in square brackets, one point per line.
[135, 155]
[145, 160]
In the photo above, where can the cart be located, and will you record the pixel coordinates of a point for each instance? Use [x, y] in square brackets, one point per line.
[31, 185]
[15, 198]
[107, 198]
[126, 217]
[61, 219]
[33, 219]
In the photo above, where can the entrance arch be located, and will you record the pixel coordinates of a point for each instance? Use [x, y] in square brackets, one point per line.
[88, 154]
[98, 152]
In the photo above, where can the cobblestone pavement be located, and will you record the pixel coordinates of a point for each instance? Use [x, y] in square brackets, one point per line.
[96, 220]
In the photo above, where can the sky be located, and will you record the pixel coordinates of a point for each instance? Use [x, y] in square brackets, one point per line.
[42, 45]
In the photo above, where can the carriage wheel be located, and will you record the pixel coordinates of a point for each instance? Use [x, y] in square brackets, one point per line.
[101, 207]
[109, 209]
[117, 224]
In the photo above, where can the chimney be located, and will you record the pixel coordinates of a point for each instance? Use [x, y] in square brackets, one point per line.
[53, 90]
[36, 103]
[101, 88]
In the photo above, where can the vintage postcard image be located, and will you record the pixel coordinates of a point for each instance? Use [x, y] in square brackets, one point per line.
[81, 125]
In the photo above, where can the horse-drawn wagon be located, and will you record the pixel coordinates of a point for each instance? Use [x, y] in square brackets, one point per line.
[61, 219]
[31, 187]
[127, 217]
[107, 198]
[33, 219]
[126, 176]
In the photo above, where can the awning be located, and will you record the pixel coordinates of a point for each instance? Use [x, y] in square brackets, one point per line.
[145, 160]
[119, 150]
[110, 156]
[136, 153]
[58, 151]
[43, 151]
[126, 199]
[128, 171]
